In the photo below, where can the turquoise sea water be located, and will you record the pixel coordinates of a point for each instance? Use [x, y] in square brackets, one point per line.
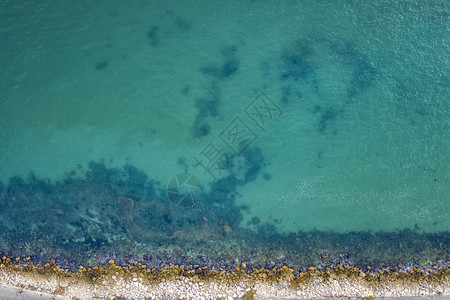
[293, 116]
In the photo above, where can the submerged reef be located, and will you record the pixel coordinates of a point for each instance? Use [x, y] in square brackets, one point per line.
[123, 215]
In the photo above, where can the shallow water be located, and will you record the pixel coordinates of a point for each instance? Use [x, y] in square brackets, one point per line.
[288, 118]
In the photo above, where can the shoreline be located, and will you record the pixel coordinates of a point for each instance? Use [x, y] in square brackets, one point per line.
[196, 282]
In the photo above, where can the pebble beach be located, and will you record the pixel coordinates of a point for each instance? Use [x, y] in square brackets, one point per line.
[115, 282]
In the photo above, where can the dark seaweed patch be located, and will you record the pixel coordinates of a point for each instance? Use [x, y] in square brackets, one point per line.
[185, 90]
[152, 34]
[183, 24]
[267, 176]
[347, 50]
[101, 66]
[325, 117]
[224, 189]
[296, 61]
[255, 220]
[289, 93]
[316, 109]
[207, 106]
[363, 71]
[230, 67]
[241, 173]
[363, 76]
[320, 155]
[222, 71]
[255, 161]
[267, 230]
[200, 129]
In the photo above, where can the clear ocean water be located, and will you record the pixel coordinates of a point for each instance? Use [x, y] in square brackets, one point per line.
[302, 116]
